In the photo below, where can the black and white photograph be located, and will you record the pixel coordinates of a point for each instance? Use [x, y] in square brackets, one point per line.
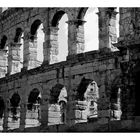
[69, 69]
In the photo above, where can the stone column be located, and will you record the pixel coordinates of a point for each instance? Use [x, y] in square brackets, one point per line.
[3, 62]
[30, 51]
[44, 111]
[6, 114]
[14, 58]
[75, 37]
[107, 28]
[23, 110]
[50, 45]
[129, 26]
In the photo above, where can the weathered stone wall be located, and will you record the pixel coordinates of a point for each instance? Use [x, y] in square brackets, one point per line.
[98, 66]
[115, 70]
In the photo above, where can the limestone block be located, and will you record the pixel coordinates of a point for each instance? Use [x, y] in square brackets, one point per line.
[117, 114]
[84, 115]
[78, 114]
[80, 107]
[54, 107]
[80, 121]
[84, 103]
[54, 120]
[53, 114]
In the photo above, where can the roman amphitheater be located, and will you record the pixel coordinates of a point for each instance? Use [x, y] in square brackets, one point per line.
[95, 91]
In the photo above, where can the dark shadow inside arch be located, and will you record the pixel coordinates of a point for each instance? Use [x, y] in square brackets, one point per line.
[82, 13]
[34, 28]
[116, 99]
[18, 35]
[55, 91]
[14, 102]
[58, 97]
[3, 42]
[2, 107]
[82, 88]
[33, 98]
[57, 17]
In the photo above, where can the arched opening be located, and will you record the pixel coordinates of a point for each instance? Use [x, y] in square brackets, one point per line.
[115, 99]
[18, 40]
[14, 112]
[40, 40]
[2, 107]
[63, 38]
[59, 20]
[58, 100]
[18, 35]
[117, 22]
[37, 38]
[91, 29]
[87, 96]
[3, 42]
[33, 108]
[116, 104]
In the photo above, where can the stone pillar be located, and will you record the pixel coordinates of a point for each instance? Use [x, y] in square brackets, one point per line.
[44, 111]
[50, 45]
[23, 110]
[129, 25]
[3, 62]
[30, 51]
[14, 58]
[107, 28]
[6, 114]
[75, 37]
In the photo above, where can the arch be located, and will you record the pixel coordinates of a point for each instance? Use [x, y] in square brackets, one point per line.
[82, 88]
[87, 96]
[115, 99]
[18, 35]
[57, 16]
[2, 107]
[14, 103]
[34, 27]
[63, 38]
[58, 99]
[3, 42]
[34, 97]
[37, 39]
[55, 92]
[15, 100]
[82, 13]
[91, 29]
[33, 108]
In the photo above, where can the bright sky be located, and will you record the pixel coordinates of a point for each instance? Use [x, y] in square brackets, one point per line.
[91, 29]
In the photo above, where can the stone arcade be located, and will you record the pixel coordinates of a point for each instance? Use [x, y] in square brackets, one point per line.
[89, 92]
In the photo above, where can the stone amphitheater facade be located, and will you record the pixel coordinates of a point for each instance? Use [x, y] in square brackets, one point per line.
[30, 99]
